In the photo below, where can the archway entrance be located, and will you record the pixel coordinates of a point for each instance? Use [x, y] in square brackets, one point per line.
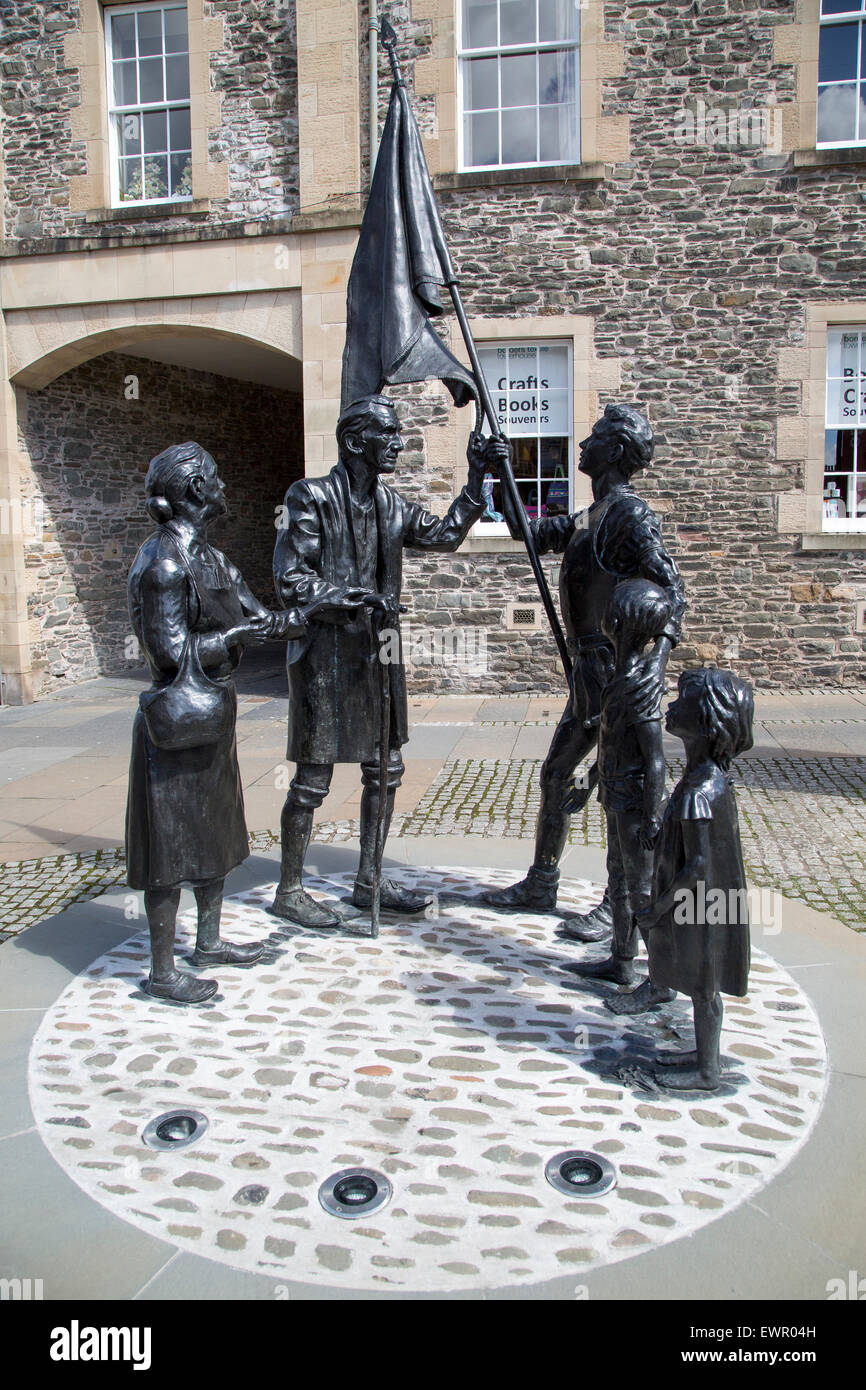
[87, 435]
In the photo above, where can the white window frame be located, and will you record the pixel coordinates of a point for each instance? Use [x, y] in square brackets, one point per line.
[546, 46]
[484, 529]
[826, 22]
[113, 110]
[850, 524]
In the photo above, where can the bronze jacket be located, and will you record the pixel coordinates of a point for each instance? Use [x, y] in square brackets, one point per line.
[335, 677]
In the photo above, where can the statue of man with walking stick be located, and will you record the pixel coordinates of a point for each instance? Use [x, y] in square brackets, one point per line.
[341, 545]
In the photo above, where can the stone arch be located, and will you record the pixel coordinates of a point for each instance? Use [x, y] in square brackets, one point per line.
[42, 344]
[48, 350]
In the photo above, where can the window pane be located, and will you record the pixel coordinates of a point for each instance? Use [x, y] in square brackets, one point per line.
[181, 176]
[179, 128]
[556, 77]
[123, 36]
[553, 411]
[481, 84]
[517, 21]
[128, 134]
[482, 139]
[479, 24]
[843, 391]
[125, 84]
[156, 177]
[130, 179]
[840, 6]
[149, 32]
[175, 31]
[842, 349]
[525, 457]
[557, 19]
[837, 113]
[520, 136]
[155, 131]
[151, 79]
[177, 78]
[553, 366]
[558, 134]
[554, 456]
[860, 503]
[837, 54]
[519, 80]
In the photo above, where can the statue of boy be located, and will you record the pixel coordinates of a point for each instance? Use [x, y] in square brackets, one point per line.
[618, 538]
[631, 781]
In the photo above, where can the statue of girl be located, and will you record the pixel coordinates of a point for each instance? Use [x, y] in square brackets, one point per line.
[698, 921]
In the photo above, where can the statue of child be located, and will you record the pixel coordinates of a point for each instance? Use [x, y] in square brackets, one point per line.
[698, 924]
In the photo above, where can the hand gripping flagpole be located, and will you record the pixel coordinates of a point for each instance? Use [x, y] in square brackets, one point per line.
[389, 41]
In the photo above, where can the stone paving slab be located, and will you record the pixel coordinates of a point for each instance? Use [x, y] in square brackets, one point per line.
[452, 1055]
[784, 1242]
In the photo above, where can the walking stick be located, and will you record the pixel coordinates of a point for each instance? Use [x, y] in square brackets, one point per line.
[379, 619]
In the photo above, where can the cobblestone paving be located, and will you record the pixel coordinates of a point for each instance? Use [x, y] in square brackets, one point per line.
[803, 824]
[452, 1053]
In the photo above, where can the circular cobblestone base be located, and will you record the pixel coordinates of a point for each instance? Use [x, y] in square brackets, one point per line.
[453, 1054]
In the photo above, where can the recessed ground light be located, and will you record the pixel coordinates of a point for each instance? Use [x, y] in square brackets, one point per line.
[355, 1192]
[176, 1129]
[580, 1174]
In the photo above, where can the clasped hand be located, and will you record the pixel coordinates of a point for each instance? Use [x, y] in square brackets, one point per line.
[485, 455]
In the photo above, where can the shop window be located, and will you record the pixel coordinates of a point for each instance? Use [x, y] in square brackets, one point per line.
[532, 385]
[844, 493]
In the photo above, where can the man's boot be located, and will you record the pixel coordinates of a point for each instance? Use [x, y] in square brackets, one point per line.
[392, 897]
[595, 925]
[535, 893]
[291, 902]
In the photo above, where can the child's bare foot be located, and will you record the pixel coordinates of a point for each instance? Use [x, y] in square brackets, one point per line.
[646, 996]
[613, 968]
[676, 1059]
[688, 1079]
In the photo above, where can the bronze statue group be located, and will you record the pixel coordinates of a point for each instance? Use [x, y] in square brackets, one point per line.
[337, 571]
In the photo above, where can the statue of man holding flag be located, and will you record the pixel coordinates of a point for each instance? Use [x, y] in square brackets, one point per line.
[343, 535]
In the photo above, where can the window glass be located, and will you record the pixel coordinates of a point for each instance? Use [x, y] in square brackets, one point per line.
[149, 102]
[519, 58]
[531, 386]
[841, 75]
[844, 498]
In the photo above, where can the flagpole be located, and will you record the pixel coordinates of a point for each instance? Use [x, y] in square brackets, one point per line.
[506, 477]
[389, 42]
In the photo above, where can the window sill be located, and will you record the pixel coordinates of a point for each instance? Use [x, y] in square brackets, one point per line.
[833, 540]
[829, 159]
[496, 178]
[137, 212]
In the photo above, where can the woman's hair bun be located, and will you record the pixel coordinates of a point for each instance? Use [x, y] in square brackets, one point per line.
[160, 508]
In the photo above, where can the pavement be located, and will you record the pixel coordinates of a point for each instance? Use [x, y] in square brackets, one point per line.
[460, 1058]
[472, 765]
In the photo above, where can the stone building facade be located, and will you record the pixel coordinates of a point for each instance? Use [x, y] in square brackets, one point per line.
[696, 253]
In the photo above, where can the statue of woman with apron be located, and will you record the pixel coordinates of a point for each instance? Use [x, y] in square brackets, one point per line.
[193, 615]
